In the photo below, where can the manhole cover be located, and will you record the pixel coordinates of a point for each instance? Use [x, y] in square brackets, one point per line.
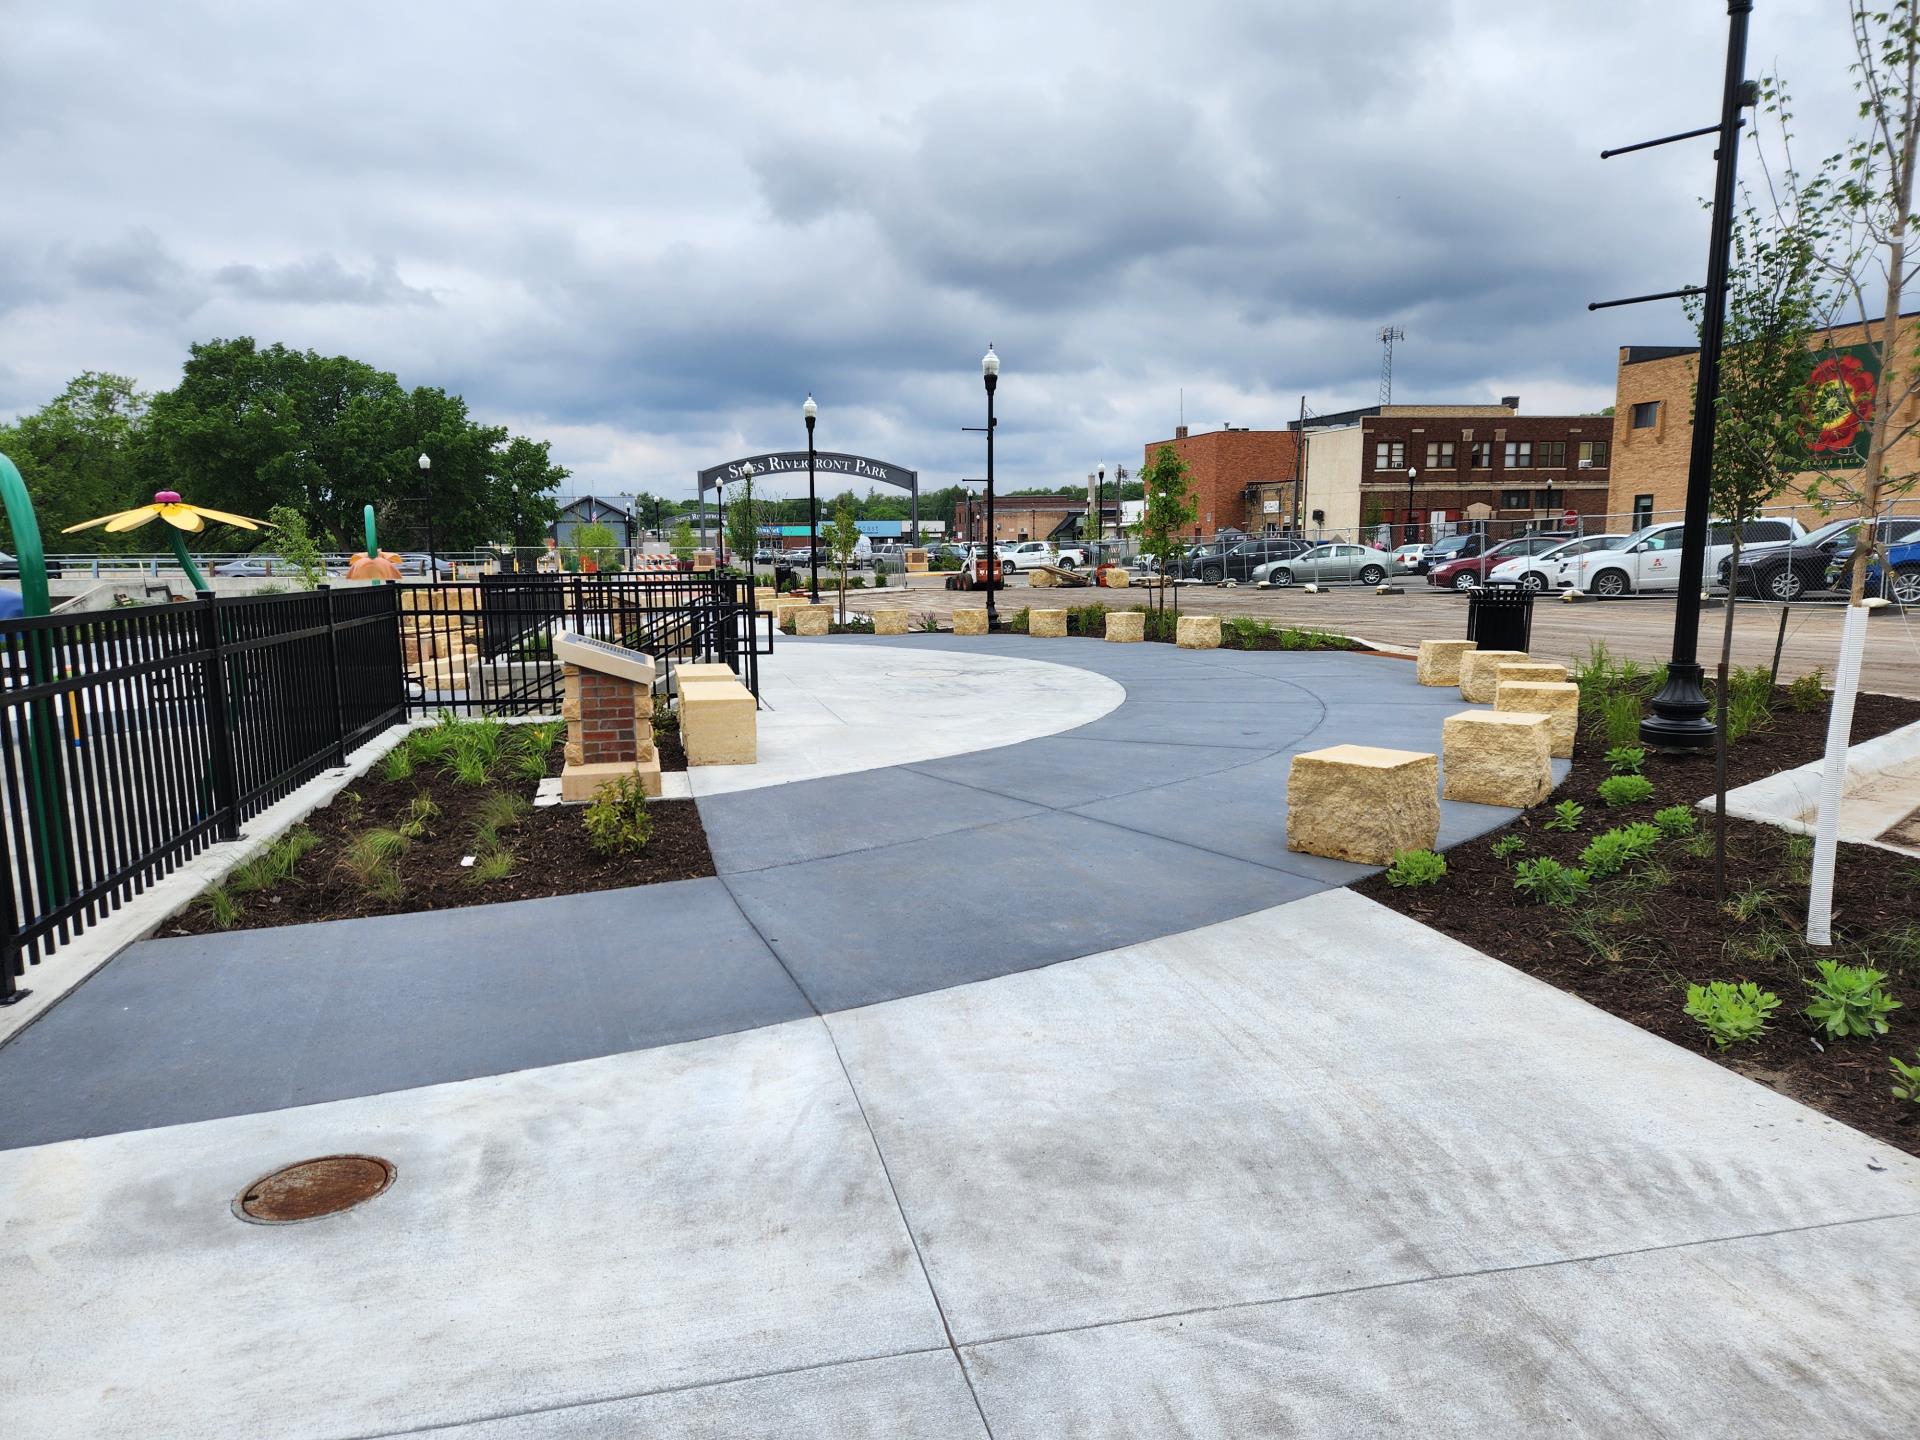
[313, 1188]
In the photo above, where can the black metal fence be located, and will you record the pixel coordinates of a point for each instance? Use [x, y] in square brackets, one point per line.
[486, 646]
[135, 737]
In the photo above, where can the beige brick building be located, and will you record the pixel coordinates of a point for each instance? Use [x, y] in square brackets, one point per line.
[1653, 430]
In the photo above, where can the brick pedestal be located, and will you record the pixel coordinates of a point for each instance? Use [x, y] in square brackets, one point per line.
[609, 722]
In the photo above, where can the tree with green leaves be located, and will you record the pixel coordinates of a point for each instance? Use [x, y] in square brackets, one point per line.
[595, 541]
[743, 522]
[294, 543]
[1168, 511]
[843, 539]
[682, 541]
[76, 454]
[1774, 308]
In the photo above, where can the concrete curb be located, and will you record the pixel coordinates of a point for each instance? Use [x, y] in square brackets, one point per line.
[1782, 799]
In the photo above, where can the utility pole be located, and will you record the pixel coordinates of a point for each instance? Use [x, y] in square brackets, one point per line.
[1388, 334]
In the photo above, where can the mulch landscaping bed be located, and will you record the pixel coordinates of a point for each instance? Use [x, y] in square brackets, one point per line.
[1637, 941]
[549, 845]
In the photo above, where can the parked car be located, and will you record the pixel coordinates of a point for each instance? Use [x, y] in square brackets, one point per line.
[1452, 547]
[414, 562]
[1786, 570]
[764, 556]
[1551, 569]
[1409, 556]
[1239, 561]
[10, 567]
[1897, 574]
[1469, 572]
[1327, 562]
[1650, 560]
[1024, 555]
[254, 566]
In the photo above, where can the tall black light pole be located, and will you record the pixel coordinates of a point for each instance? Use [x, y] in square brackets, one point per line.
[1407, 538]
[990, 372]
[1679, 719]
[812, 412]
[426, 484]
[1099, 505]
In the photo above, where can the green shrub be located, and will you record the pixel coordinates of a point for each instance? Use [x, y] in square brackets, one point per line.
[1413, 868]
[617, 821]
[1611, 851]
[397, 764]
[1566, 816]
[1906, 1078]
[1090, 620]
[1549, 882]
[1731, 1013]
[1626, 759]
[371, 861]
[1749, 701]
[1507, 846]
[1016, 623]
[1807, 694]
[1674, 821]
[1624, 789]
[1620, 718]
[420, 817]
[1849, 1000]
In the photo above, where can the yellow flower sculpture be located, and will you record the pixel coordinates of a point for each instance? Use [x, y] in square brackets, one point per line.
[180, 516]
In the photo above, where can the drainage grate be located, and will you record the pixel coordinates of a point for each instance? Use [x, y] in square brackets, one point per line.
[312, 1188]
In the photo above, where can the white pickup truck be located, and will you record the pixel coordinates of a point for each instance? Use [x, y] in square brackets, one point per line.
[1650, 560]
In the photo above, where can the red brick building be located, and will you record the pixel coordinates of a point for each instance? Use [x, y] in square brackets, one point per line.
[1242, 479]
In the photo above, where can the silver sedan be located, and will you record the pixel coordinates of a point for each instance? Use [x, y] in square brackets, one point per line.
[1328, 562]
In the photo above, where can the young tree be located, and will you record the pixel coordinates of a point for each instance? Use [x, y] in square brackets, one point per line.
[1773, 310]
[596, 543]
[1858, 206]
[843, 538]
[743, 522]
[682, 538]
[1167, 513]
[295, 544]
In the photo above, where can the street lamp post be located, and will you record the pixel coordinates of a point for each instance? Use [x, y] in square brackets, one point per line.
[990, 373]
[1407, 537]
[812, 412]
[426, 482]
[1099, 506]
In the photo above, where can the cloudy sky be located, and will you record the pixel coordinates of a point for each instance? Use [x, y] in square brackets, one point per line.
[646, 231]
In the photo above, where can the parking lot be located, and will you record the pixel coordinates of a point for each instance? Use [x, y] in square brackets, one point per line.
[1640, 628]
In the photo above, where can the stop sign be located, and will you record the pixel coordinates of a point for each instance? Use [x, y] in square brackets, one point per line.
[1571, 517]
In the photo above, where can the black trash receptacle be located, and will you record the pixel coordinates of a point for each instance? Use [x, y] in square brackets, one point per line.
[1500, 617]
[783, 576]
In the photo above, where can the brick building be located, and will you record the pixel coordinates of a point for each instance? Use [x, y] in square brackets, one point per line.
[1025, 517]
[1470, 464]
[1242, 479]
[1653, 425]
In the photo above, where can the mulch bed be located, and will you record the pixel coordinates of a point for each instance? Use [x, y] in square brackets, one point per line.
[549, 844]
[1635, 944]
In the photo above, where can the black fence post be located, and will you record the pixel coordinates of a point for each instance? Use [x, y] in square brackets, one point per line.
[225, 781]
[12, 952]
[333, 677]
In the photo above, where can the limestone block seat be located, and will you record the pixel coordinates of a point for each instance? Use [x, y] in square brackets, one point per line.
[1047, 623]
[718, 722]
[1497, 757]
[1559, 702]
[970, 621]
[812, 619]
[1439, 662]
[1480, 672]
[1535, 672]
[1126, 627]
[1362, 803]
[889, 622]
[1198, 632]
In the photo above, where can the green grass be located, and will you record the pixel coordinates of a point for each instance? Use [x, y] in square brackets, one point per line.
[273, 864]
[221, 907]
[499, 810]
[492, 865]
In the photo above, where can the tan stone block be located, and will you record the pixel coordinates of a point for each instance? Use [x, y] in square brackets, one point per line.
[1049, 624]
[1560, 703]
[917, 567]
[688, 672]
[1439, 662]
[1198, 632]
[764, 597]
[575, 752]
[1480, 673]
[570, 709]
[1498, 757]
[889, 622]
[1361, 803]
[580, 783]
[1533, 672]
[718, 723]
[1116, 578]
[970, 621]
[1126, 627]
[812, 619]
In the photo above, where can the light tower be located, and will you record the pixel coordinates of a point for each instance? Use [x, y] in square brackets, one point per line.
[1388, 334]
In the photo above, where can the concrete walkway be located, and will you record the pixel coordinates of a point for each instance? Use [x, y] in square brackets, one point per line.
[1030, 1093]
[1312, 1171]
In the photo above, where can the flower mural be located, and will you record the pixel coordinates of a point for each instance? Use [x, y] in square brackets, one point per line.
[1840, 396]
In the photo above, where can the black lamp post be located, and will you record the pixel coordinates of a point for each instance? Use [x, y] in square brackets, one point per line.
[990, 373]
[1099, 506]
[812, 412]
[1407, 538]
[426, 484]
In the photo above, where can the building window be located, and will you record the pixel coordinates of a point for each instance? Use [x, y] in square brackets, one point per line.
[1390, 455]
[1513, 500]
[1593, 454]
[1439, 455]
[1646, 414]
[1642, 511]
[1548, 499]
[1553, 455]
[1483, 454]
[1519, 454]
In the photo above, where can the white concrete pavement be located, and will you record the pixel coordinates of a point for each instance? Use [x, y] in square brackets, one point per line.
[1314, 1171]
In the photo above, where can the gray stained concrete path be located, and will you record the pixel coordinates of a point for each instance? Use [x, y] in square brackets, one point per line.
[1165, 814]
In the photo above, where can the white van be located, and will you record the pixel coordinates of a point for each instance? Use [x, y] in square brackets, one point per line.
[1650, 560]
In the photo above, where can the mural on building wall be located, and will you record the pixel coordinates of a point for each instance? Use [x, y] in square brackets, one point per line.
[1840, 399]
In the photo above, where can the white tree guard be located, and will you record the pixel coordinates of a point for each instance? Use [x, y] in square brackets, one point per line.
[1833, 776]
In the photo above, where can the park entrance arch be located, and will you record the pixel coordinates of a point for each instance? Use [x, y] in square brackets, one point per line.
[827, 465]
